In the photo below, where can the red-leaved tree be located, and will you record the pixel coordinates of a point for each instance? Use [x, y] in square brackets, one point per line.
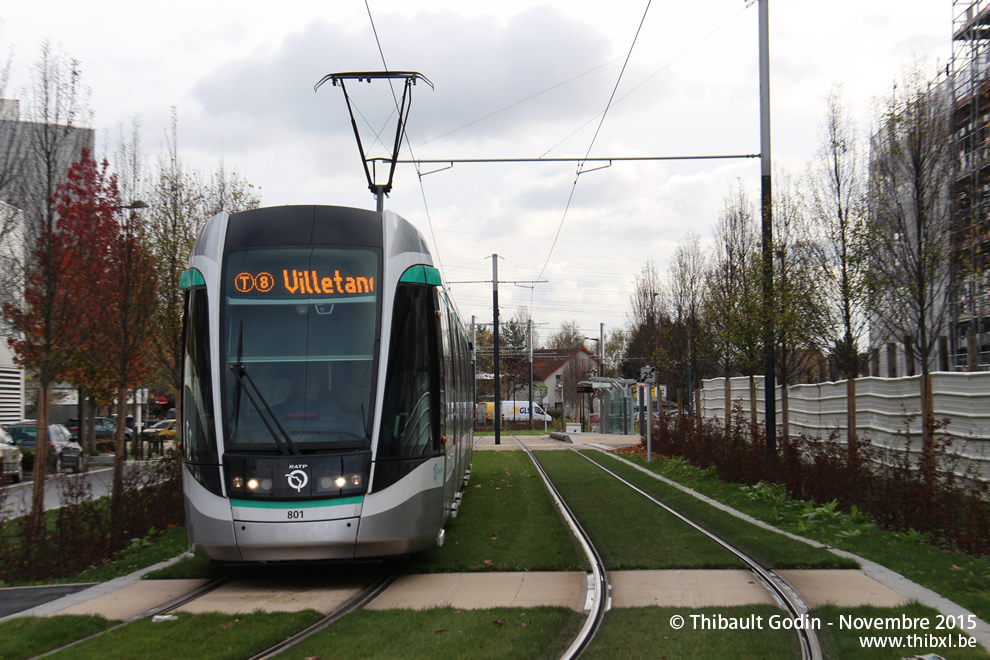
[129, 296]
[64, 268]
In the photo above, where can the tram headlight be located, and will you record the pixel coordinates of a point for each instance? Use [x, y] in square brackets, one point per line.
[254, 484]
[326, 483]
[355, 479]
[340, 482]
[238, 482]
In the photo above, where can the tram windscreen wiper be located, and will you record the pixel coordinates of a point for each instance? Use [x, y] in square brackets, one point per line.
[244, 378]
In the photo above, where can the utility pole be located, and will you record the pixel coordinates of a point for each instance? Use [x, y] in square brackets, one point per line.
[766, 201]
[529, 323]
[497, 407]
[601, 349]
[474, 366]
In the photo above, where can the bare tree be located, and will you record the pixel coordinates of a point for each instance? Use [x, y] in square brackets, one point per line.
[228, 192]
[799, 312]
[513, 340]
[568, 336]
[616, 343]
[909, 228]
[43, 319]
[173, 222]
[12, 160]
[180, 204]
[836, 183]
[732, 297]
[650, 311]
[686, 276]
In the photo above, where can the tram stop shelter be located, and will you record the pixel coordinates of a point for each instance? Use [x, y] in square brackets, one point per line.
[617, 397]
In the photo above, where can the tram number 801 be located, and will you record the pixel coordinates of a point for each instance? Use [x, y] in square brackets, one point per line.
[295, 515]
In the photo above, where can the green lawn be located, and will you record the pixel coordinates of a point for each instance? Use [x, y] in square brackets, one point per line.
[506, 522]
[962, 578]
[531, 633]
[768, 548]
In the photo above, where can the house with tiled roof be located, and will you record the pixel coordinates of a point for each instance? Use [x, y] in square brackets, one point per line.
[559, 370]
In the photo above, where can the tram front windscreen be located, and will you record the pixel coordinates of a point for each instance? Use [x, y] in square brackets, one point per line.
[299, 330]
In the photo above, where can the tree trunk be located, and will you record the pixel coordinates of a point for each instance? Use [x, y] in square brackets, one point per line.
[697, 406]
[728, 407]
[928, 462]
[752, 406]
[117, 493]
[785, 416]
[37, 519]
[852, 446]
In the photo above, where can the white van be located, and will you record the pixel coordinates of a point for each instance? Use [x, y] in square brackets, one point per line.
[519, 411]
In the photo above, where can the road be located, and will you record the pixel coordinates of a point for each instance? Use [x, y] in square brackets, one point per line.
[15, 500]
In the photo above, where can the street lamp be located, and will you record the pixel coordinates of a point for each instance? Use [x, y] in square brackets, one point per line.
[601, 355]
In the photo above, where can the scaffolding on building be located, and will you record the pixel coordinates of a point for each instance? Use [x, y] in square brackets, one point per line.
[970, 88]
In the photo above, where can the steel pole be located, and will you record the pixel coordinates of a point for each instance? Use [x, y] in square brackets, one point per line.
[530, 342]
[766, 201]
[497, 408]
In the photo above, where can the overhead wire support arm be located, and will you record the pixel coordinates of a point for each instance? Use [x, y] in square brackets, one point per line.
[410, 78]
[566, 159]
[606, 161]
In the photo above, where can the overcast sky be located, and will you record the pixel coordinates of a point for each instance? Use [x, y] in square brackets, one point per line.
[513, 79]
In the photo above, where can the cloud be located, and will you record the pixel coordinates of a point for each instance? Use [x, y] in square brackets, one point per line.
[478, 64]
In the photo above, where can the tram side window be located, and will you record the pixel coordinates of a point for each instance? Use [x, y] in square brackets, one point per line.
[409, 416]
[198, 442]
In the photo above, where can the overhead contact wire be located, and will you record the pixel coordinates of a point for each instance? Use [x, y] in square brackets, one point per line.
[577, 175]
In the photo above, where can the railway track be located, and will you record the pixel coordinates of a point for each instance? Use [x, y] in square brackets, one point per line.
[599, 589]
[355, 602]
[378, 582]
[164, 608]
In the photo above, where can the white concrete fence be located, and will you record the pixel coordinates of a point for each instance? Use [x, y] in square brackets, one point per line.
[888, 411]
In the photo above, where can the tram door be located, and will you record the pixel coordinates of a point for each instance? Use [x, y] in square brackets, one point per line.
[448, 398]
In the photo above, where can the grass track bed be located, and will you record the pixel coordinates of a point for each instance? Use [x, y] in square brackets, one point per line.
[645, 632]
[507, 522]
[212, 635]
[27, 637]
[768, 548]
[629, 531]
[532, 633]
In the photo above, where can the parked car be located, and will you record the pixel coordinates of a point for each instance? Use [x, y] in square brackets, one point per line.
[63, 452]
[163, 430]
[106, 428]
[13, 459]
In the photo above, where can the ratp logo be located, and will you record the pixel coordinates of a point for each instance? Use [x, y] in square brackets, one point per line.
[297, 479]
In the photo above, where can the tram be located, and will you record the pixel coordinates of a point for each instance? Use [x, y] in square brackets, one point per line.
[327, 388]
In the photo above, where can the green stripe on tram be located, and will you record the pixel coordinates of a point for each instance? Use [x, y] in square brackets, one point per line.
[422, 275]
[191, 277]
[297, 504]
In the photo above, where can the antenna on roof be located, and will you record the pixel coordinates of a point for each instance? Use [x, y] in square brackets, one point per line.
[410, 78]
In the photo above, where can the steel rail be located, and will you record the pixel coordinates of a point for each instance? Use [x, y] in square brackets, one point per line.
[599, 587]
[352, 604]
[783, 593]
[192, 594]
